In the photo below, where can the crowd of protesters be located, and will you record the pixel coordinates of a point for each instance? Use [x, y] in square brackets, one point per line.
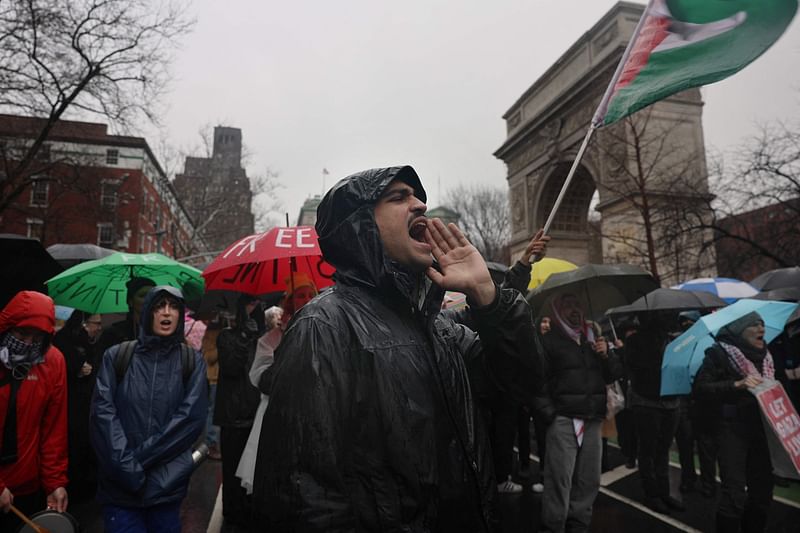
[369, 407]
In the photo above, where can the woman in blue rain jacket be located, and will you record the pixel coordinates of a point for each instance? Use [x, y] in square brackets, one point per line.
[143, 425]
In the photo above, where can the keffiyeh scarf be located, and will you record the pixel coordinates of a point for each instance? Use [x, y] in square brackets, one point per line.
[14, 352]
[745, 366]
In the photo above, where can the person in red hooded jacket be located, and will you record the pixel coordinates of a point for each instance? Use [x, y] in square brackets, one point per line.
[33, 409]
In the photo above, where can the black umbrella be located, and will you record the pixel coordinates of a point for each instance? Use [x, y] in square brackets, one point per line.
[780, 278]
[599, 287]
[788, 294]
[69, 255]
[26, 265]
[670, 300]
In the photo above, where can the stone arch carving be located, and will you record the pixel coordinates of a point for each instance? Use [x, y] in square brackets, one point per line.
[544, 128]
[572, 217]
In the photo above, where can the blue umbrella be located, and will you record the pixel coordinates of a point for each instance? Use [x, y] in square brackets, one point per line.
[63, 312]
[728, 289]
[684, 355]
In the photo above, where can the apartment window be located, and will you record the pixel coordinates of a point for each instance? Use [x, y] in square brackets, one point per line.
[105, 234]
[112, 156]
[44, 153]
[35, 228]
[108, 195]
[39, 192]
[141, 241]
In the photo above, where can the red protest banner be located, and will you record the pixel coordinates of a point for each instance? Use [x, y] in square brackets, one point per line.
[781, 416]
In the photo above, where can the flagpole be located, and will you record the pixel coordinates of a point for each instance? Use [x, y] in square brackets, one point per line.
[567, 181]
[596, 118]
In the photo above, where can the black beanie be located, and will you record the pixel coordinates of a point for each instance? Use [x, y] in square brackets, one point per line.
[134, 284]
[737, 327]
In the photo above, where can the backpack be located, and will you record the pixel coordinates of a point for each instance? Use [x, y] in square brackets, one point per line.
[125, 353]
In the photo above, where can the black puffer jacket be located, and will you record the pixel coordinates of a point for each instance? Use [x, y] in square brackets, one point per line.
[371, 424]
[644, 353]
[575, 379]
[237, 399]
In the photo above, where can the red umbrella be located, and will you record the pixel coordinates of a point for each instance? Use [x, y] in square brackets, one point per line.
[263, 263]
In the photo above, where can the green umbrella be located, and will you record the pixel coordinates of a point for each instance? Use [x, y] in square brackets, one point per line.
[99, 286]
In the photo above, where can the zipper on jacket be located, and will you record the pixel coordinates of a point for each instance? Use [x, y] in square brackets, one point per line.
[152, 392]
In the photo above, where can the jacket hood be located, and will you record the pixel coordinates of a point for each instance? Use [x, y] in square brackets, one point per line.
[29, 309]
[349, 236]
[146, 317]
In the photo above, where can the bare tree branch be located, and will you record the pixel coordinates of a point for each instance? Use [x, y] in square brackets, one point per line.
[63, 58]
[485, 218]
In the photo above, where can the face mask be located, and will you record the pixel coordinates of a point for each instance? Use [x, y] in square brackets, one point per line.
[14, 352]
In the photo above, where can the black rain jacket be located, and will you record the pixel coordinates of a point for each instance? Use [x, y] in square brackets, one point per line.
[237, 399]
[371, 424]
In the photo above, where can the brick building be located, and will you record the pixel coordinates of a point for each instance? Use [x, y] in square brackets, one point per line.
[744, 242]
[216, 191]
[87, 186]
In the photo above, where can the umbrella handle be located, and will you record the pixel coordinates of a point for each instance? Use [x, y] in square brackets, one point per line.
[613, 331]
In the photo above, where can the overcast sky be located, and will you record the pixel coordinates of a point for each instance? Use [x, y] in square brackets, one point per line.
[353, 84]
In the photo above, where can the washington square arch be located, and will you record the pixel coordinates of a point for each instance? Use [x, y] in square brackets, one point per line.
[647, 174]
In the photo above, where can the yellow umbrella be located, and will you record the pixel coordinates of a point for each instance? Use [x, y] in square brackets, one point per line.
[549, 265]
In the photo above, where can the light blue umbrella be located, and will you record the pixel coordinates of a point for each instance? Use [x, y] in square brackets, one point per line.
[728, 289]
[63, 312]
[684, 355]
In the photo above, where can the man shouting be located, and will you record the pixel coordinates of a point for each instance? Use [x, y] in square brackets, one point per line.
[371, 424]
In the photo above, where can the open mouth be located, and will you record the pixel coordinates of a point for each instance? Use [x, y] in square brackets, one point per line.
[166, 323]
[417, 229]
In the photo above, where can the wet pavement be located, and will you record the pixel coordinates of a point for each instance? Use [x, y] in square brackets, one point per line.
[617, 508]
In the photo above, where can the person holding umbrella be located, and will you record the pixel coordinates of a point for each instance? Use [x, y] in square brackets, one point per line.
[655, 417]
[578, 365]
[736, 363]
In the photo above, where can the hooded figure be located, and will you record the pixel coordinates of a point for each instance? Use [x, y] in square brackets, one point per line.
[236, 402]
[655, 417]
[81, 360]
[33, 407]
[371, 424]
[143, 427]
[738, 362]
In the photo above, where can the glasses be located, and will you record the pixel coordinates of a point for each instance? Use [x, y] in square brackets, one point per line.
[94, 322]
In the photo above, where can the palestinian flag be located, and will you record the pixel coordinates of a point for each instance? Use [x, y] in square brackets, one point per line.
[680, 44]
